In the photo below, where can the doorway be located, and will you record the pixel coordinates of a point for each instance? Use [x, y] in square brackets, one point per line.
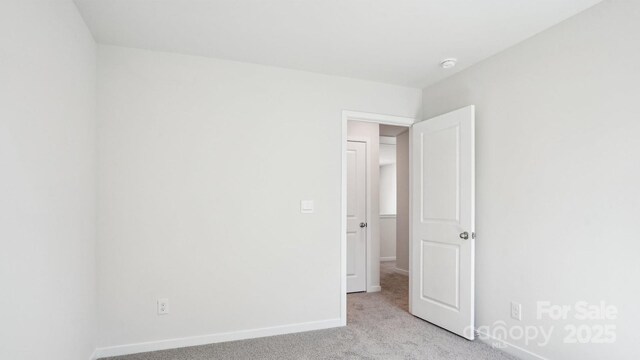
[440, 217]
[394, 214]
[371, 203]
[368, 126]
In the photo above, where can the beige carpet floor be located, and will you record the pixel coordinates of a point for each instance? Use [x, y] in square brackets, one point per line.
[379, 326]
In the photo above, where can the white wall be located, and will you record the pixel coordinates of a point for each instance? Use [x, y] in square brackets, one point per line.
[387, 199]
[558, 169]
[388, 188]
[387, 209]
[47, 186]
[387, 237]
[402, 202]
[387, 149]
[202, 166]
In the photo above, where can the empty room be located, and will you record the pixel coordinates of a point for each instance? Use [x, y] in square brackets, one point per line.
[306, 179]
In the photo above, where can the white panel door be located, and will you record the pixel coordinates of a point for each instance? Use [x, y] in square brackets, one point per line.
[442, 221]
[356, 216]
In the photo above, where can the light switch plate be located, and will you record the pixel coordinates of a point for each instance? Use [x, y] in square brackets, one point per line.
[306, 206]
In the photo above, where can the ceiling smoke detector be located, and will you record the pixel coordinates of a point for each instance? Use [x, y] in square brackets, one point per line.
[448, 63]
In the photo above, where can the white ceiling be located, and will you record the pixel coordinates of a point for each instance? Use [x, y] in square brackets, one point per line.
[393, 41]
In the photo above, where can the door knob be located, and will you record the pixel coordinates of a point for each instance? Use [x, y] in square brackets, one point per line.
[363, 225]
[464, 235]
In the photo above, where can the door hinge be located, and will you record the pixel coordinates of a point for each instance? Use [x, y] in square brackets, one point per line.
[473, 235]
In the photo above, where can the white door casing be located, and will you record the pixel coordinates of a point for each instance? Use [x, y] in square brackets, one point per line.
[356, 215]
[443, 210]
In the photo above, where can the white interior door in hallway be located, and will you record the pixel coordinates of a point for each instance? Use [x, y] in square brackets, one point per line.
[356, 216]
[443, 220]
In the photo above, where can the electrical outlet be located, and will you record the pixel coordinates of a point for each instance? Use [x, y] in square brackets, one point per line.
[163, 306]
[516, 311]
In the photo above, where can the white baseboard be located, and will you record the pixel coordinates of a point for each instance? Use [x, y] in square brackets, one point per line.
[509, 348]
[94, 355]
[214, 338]
[401, 271]
[387, 258]
[374, 288]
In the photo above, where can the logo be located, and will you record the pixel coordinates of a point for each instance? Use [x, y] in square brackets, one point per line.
[580, 323]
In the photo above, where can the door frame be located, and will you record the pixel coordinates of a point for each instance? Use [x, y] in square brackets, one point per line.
[347, 116]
